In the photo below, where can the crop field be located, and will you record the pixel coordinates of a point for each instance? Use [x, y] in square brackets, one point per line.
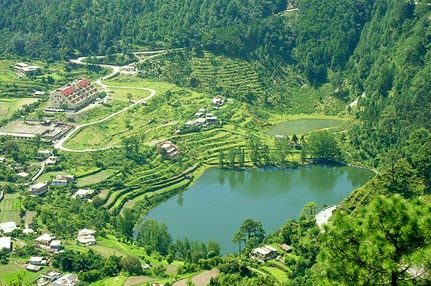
[9, 105]
[9, 208]
[301, 126]
[95, 178]
[9, 273]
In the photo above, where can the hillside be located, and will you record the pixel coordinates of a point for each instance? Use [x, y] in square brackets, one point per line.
[359, 68]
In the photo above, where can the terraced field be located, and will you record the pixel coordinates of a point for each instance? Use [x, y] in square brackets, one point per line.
[221, 72]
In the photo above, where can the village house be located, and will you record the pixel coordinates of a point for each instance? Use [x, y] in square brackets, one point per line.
[43, 153]
[286, 247]
[264, 253]
[33, 268]
[23, 69]
[6, 243]
[39, 261]
[45, 239]
[82, 193]
[55, 244]
[66, 280]
[38, 93]
[168, 149]
[86, 236]
[52, 160]
[75, 95]
[8, 227]
[217, 101]
[62, 181]
[48, 277]
[38, 189]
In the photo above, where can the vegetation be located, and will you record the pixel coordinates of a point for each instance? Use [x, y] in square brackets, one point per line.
[307, 58]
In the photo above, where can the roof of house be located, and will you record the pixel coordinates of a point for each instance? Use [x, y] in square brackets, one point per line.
[5, 242]
[55, 243]
[86, 231]
[45, 238]
[32, 267]
[82, 192]
[38, 185]
[36, 259]
[67, 280]
[7, 227]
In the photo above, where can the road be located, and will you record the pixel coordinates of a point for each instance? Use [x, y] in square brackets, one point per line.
[59, 144]
[115, 71]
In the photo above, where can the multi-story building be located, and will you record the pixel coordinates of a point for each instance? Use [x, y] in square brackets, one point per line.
[75, 95]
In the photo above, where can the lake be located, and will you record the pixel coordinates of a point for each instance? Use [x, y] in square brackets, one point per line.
[217, 204]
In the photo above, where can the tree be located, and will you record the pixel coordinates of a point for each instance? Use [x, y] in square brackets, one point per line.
[154, 236]
[129, 96]
[132, 265]
[322, 146]
[387, 243]
[250, 230]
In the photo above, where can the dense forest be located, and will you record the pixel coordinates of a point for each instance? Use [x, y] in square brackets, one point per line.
[375, 51]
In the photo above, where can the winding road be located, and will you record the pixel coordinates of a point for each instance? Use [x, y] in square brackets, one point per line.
[115, 71]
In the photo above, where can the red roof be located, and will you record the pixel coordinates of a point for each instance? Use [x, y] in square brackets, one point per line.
[83, 82]
[68, 90]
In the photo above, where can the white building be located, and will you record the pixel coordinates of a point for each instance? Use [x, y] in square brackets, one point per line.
[38, 189]
[66, 280]
[75, 95]
[8, 227]
[45, 239]
[6, 243]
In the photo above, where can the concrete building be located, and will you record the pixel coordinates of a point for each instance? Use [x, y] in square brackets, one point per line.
[38, 189]
[8, 227]
[66, 280]
[6, 243]
[75, 95]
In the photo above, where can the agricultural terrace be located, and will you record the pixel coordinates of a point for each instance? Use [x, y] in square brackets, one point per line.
[8, 106]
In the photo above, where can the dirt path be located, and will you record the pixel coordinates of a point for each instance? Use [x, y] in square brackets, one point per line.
[201, 279]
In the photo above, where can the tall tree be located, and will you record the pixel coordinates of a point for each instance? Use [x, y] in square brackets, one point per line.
[387, 243]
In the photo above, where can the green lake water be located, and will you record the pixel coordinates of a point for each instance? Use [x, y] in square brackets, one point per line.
[215, 207]
[301, 126]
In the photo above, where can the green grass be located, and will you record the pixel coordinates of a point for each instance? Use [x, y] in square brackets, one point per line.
[301, 126]
[9, 105]
[111, 281]
[95, 178]
[10, 208]
[48, 176]
[279, 275]
[11, 272]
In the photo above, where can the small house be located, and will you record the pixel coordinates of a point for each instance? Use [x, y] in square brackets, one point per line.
[168, 149]
[6, 243]
[33, 268]
[286, 247]
[264, 253]
[62, 181]
[8, 227]
[52, 160]
[86, 236]
[38, 260]
[66, 280]
[48, 277]
[55, 244]
[82, 193]
[45, 239]
[44, 153]
[38, 189]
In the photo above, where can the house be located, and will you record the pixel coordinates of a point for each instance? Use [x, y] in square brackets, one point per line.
[2, 160]
[52, 160]
[75, 95]
[44, 153]
[38, 93]
[45, 239]
[8, 227]
[217, 101]
[33, 268]
[200, 121]
[168, 149]
[86, 236]
[38, 189]
[211, 118]
[82, 193]
[39, 261]
[286, 247]
[23, 69]
[55, 244]
[6, 243]
[66, 280]
[48, 278]
[62, 181]
[264, 253]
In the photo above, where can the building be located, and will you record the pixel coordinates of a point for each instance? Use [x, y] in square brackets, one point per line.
[217, 101]
[33, 268]
[82, 193]
[62, 181]
[52, 160]
[264, 253]
[6, 243]
[55, 244]
[38, 189]
[75, 95]
[286, 247]
[23, 69]
[168, 149]
[66, 280]
[39, 261]
[43, 153]
[48, 277]
[86, 236]
[45, 239]
[8, 227]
